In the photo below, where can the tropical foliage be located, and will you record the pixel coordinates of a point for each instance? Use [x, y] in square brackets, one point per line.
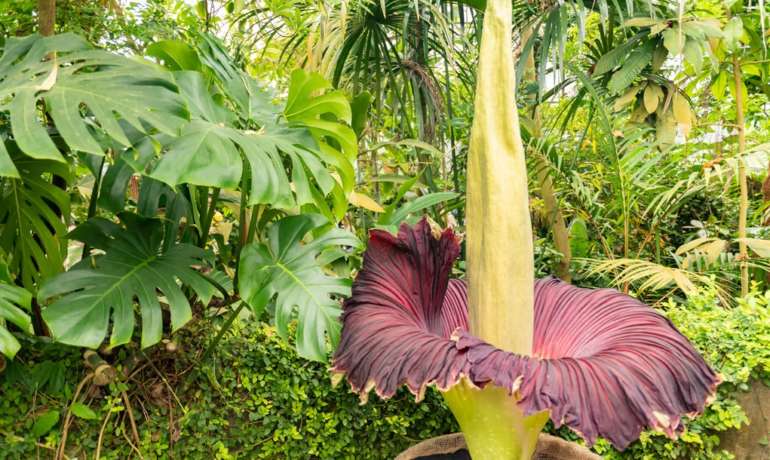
[206, 175]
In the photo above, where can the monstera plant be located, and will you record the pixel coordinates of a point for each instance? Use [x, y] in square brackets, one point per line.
[507, 351]
[195, 168]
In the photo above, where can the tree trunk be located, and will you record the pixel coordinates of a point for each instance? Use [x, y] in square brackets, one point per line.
[744, 199]
[46, 16]
[499, 234]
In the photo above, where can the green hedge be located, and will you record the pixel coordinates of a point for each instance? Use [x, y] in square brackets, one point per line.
[257, 399]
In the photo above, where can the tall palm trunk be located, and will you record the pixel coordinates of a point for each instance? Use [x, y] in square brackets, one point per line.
[499, 233]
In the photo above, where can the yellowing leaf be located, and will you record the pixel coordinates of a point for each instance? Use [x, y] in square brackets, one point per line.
[364, 201]
[761, 247]
[682, 113]
[686, 128]
[694, 244]
[651, 98]
[626, 99]
[665, 129]
[713, 249]
[673, 39]
[642, 22]
[658, 28]
[222, 228]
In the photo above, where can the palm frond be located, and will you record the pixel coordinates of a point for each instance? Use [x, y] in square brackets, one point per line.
[649, 276]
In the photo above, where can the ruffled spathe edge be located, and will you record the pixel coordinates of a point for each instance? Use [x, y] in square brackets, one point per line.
[603, 363]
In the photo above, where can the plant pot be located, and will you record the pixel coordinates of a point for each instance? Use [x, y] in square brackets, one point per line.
[452, 447]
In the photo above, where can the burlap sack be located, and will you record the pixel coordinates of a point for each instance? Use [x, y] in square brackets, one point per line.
[548, 448]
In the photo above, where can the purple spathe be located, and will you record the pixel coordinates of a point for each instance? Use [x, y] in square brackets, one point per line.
[603, 363]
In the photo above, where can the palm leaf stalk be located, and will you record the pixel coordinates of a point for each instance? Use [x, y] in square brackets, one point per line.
[509, 352]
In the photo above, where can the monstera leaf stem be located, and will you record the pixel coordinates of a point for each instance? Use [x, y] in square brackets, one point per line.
[209, 216]
[224, 328]
[92, 202]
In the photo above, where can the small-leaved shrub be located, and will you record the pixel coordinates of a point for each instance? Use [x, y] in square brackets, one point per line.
[255, 398]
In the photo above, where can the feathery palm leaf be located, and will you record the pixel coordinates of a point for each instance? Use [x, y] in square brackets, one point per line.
[650, 276]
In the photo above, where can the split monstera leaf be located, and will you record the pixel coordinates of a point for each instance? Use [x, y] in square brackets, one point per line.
[508, 351]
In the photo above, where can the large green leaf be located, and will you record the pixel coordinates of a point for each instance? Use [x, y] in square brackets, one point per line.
[321, 113]
[83, 88]
[135, 268]
[33, 216]
[210, 149]
[287, 268]
[636, 62]
[305, 107]
[14, 300]
[204, 154]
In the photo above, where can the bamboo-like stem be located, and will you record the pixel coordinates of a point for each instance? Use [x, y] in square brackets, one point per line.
[499, 234]
[743, 208]
[555, 220]
[554, 216]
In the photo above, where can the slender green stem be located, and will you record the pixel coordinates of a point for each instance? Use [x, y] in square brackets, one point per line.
[208, 217]
[243, 224]
[92, 203]
[222, 331]
[494, 426]
[742, 180]
[256, 214]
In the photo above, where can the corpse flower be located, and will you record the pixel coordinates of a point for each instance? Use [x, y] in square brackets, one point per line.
[508, 352]
[602, 362]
